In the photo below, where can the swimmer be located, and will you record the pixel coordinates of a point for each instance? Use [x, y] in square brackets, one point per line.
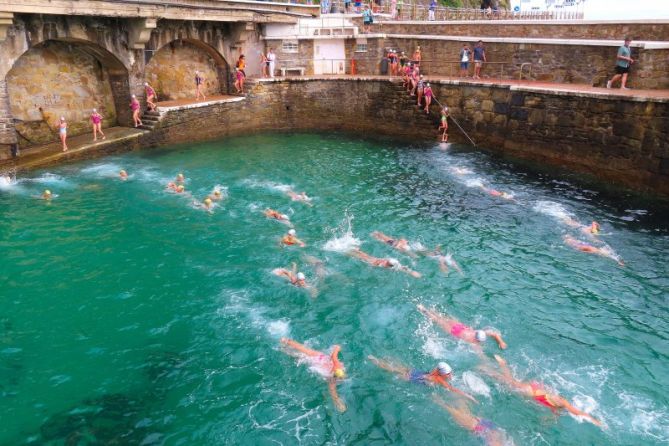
[46, 195]
[215, 195]
[401, 245]
[444, 260]
[480, 427]
[299, 197]
[171, 186]
[276, 215]
[180, 178]
[604, 251]
[327, 365]
[382, 263]
[206, 205]
[123, 175]
[295, 278]
[537, 392]
[496, 193]
[591, 230]
[180, 189]
[291, 239]
[438, 376]
[459, 330]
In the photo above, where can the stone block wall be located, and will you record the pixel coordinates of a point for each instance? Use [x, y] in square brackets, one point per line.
[171, 71]
[7, 130]
[57, 79]
[539, 29]
[302, 58]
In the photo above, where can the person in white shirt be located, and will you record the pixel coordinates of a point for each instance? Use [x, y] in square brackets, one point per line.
[271, 60]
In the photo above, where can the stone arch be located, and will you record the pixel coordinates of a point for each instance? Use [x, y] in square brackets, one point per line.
[171, 69]
[65, 77]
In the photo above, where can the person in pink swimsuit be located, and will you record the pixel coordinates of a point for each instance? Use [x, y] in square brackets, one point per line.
[96, 120]
[150, 96]
[481, 427]
[461, 331]
[134, 106]
[427, 92]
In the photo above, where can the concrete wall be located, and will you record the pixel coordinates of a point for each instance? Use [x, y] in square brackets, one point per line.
[171, 71]
[542, 29]
[58, 79]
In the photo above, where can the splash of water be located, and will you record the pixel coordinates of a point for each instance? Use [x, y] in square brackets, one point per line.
[552, 209]
[475, 384]
[343, 239]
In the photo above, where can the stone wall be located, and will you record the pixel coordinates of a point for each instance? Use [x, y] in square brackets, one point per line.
[540, 29]
[171, 71]
[58, 79]
[623, 141]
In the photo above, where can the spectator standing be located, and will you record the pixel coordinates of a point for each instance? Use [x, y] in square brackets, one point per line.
[367, 18]
[358, 5]
[271, 62]
[62, 132]
[199, 81]
[417, 56]
[403, 60]
[479, 59]
[400, 4]
[431, 9]
[393, 9]
[96, 120]
[347, 6]
[150, 96]
[623, 62]
[465, 57]
[263, 64]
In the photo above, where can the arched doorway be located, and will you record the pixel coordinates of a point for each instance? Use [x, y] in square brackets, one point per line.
[65, 78]
[171, 70]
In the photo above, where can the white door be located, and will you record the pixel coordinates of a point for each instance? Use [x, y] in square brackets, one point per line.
[329, 57]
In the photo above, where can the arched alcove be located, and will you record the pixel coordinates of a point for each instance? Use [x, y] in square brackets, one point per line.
[65, 78]
[171, 70]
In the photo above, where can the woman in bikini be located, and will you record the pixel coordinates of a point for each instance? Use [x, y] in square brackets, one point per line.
[328, 366]
[461, 331]
[401, 245]
[150, 96]
[427, 92]
[480, 427]
[439, 376]
[604, 251]
[537, 392]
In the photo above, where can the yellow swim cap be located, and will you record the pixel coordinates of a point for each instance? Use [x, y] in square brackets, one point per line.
[47, 192]
[180, 188]
[339, 373]
[207, 201]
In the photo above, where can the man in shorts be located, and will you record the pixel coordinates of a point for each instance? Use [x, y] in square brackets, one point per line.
[479, 58]
[623, 62]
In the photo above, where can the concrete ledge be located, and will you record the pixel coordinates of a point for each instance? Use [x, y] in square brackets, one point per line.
[525, 22]
[169, 106]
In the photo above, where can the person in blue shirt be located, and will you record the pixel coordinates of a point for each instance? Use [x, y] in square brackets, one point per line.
[367, 18]
[431, 9]
[623, 62]
[479, 58]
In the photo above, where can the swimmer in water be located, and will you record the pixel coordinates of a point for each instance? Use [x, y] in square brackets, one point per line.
[291, 239]
[295, 278]
[276, 215]
[537, 392]
[206, 205]
[123, 175]
[171, 186]
[180, 189]
[591, 230]
[46, 195]
[445, 261]
[327, 365]
[401, 245]
[215, 195]
[299, 197]
[382, 263]
[459, 330]
[180, 178]
[438, 376]
[496, 193]
[604, 251]
[486, 429]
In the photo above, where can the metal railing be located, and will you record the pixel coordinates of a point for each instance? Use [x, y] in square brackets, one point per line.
[438, 68]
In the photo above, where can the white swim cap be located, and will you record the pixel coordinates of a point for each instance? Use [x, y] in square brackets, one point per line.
[444, 368]
[480, 335]
[394, 262]
[284, 217]
[94, 110]
[146, 84]
[134, 96]
[62, 118]
[291, 232]
[300, 276]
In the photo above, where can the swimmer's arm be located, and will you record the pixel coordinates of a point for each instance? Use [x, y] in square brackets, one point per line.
[498, 338]
[574, 411]
[458, 391]
[443, 266]
[301, 243]
[294, 270]
[332, 387]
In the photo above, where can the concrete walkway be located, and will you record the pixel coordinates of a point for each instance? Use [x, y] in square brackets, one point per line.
[192, 103]
[52, 153]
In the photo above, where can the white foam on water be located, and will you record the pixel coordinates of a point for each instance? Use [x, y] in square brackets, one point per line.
[238, 303]
[473, 182]
[343, 239]
[278, 329]
[51, 179]
[552, 209]
[475, 384]
[643, 417]
[458, 170]
[268, 185]
[104, 170]
[6, 182]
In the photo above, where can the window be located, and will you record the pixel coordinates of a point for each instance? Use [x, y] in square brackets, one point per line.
[290, 46]
[361, 45]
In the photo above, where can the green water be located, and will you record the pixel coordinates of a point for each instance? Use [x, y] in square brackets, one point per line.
[130, 317]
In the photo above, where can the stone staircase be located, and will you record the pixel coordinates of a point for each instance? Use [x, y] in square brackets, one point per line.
[428, 122]
[150, 119]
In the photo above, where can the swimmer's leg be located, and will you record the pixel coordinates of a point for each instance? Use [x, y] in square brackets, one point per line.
[461, 414]
[299, 347]
[399, 370]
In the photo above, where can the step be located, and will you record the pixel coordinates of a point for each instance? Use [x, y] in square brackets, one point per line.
[146, 127]
[150, 118]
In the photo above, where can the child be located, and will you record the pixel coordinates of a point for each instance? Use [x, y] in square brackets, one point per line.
[444, 124]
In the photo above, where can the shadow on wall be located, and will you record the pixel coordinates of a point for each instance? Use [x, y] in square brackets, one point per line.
[55, 79]
[171, 70]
